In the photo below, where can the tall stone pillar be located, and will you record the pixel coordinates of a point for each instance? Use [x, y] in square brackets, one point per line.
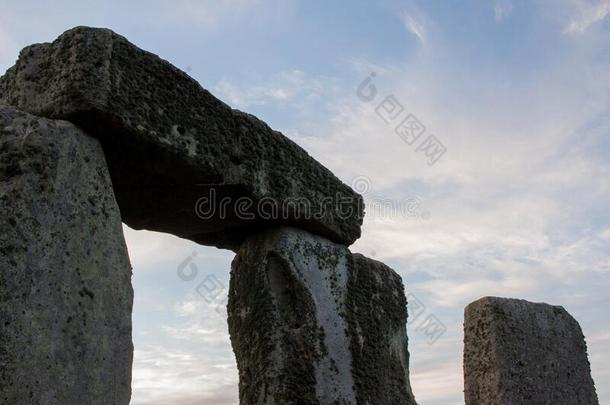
[311, 323]
[519, 352]
[65, 277]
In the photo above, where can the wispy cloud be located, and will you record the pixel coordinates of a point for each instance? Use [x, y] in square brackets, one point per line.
[214, 14]
[415, 26]
[292, 86]
[502, 9]
[172, 375]
[587, 13]
[187, 359]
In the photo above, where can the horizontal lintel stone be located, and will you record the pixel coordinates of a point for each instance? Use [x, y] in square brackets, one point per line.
[181, 160]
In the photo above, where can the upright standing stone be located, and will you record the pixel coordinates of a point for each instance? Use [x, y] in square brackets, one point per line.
[65, 277]
[311, 323]
[518, 352]
[181, 160]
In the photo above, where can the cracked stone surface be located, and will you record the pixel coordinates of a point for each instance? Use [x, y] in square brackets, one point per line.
[519, 352]
[312, 323]
[65, 277]
[169, 143]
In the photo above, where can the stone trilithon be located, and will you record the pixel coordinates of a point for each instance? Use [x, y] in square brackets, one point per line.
[95, 131]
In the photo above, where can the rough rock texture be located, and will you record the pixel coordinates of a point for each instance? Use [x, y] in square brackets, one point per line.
[169, 143]
[518, 352]
[65, 277]
[310, 323]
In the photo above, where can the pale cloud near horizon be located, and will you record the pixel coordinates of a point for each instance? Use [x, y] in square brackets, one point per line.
[169, 374]
[186, 359]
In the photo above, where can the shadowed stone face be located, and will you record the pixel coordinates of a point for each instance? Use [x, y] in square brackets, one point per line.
[170, 144]
[311, 323]
[519, 352]
[65, 277]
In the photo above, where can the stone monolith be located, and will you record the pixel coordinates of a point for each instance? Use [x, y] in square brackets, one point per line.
[181, 161]
[65, 277]
[520, 353]
[311, 323]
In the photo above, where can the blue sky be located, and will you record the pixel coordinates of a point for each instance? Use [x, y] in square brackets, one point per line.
[517, 92]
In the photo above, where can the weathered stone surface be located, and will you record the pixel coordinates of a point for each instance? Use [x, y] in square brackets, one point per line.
[169, 142]
[65, 277]
[311, 323]
[518, 352]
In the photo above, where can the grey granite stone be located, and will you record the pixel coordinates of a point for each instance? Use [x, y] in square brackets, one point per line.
[171, 145]
[65, 277]
[311, 323]
[518, 352]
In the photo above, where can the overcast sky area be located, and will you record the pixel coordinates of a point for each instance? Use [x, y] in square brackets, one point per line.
[517, 92]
